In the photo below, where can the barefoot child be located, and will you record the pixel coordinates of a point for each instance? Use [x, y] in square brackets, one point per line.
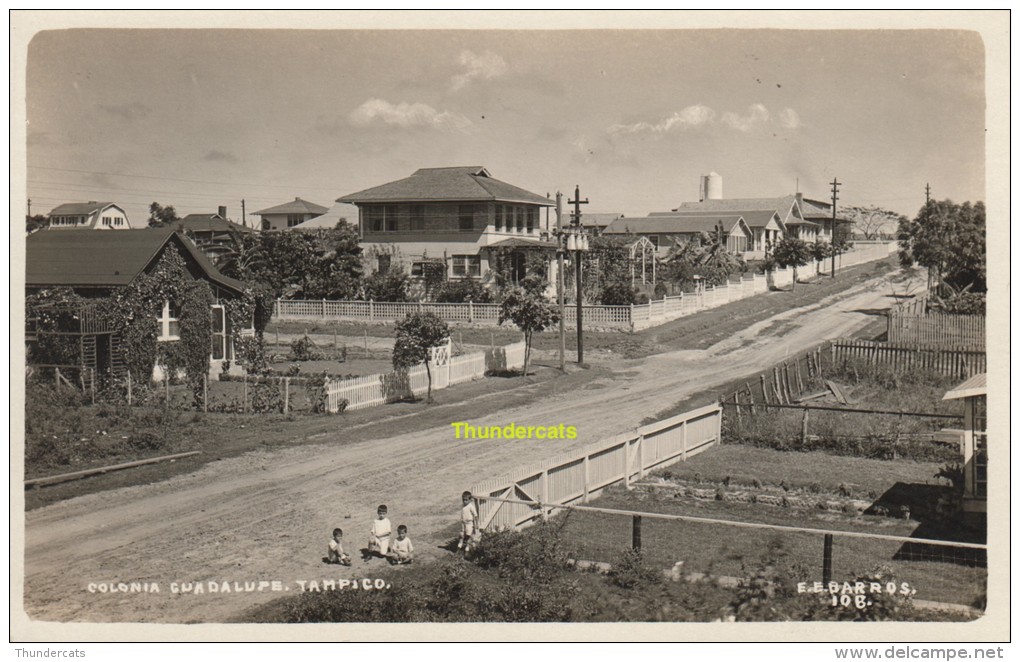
[401, 550]
[468, 522]
[379, 540]
[336, 549]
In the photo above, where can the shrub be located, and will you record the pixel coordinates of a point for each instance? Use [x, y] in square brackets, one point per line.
[631, 571]
[304, 349]
[462, 291]
[533, 555]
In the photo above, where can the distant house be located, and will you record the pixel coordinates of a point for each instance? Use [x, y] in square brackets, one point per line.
[89, 215]
[667, 230]
[462, 214]
[96, 264]
[339, 211]
[974, 393]
[820, 212]
[594, 221]
[215, 235]
[787, 209]
[289, 214]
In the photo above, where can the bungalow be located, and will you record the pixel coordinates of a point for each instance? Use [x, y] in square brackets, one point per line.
[820, 212]
[214, 234]
[89, 215]
[786, 208]
[665, 231]
[974, 393]
[289, 214]
[97, 264]
[463, 215]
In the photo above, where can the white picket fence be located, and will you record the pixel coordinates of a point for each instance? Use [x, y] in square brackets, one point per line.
[447, 370]
[631, 318]
[577, 476]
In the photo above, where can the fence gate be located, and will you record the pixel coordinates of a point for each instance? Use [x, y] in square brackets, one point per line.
[439, 360]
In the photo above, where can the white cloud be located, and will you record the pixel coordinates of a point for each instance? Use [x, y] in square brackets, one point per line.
[484, 66]
[407, 115]
[757, 114]
[689, 117]
[789, 118]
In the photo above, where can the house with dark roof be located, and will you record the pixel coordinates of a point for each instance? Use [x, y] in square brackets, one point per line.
[820, 212]
[289, 214]
[596, 221]
[786, 208]
[89, 215]
[215, 235]
[97, 264]
[667, 230]
[462, 214]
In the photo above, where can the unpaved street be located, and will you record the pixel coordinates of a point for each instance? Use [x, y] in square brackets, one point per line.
[267, 516]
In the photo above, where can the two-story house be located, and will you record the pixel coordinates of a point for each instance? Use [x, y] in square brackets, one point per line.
[289, 214]
[89, 215]
[461, 215]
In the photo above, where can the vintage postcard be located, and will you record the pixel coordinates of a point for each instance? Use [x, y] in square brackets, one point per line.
[650, 326]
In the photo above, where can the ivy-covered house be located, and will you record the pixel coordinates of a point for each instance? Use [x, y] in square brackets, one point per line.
[463, 216]
[145, 301]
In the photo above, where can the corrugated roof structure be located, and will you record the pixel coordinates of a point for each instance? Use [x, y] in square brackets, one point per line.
[84, 258]
[976, 385]
[447, 184]
[298, 206]
[755, 218]
[674, 224]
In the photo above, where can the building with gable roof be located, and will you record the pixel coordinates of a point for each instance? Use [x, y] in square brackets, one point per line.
[89, 215]
[214, 234]
[289, 214]
[460, 214]
[675, 228]
[787, 209]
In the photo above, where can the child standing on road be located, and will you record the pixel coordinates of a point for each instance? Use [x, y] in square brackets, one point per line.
[336, 549]
[379, 540]
[468, 522]
[401, 551]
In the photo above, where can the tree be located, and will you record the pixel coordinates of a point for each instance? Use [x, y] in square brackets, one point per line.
[530, 312]
[705, 256]
[871, 222]
[949, 240]
[33, 223]
[792, 252]
[462, 291]
[416, 335]
[160, 216]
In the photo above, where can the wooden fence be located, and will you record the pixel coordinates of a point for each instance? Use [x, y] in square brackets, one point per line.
[961, 362]
[446, 370]
[579, 475]
[935, 329]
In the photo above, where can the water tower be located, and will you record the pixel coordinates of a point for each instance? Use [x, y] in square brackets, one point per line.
[711, 187]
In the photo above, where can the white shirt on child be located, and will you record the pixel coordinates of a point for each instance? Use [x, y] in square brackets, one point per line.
[381, 528]
[335, 546]
[402, 546]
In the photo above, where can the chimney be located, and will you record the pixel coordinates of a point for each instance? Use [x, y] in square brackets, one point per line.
[222, 212]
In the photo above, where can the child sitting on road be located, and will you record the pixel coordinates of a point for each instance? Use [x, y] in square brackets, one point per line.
[336, 549]
[401, 550]
[468, 522]
[379, 540]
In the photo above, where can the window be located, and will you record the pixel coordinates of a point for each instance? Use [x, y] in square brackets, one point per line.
[980, 461]
[383, 263]
[519, 217]
[532, 218]
[467, 266]
[374, 218]
[390, 213]
[295, 219]
[418, 217]
[218, 349]
[466, 218]
[169, 323]
[654, 238]
[108, 221]
[499, 218]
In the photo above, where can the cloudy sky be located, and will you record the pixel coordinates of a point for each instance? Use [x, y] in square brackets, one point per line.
[202, 118]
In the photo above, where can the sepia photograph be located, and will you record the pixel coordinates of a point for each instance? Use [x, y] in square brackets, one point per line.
[562, 318]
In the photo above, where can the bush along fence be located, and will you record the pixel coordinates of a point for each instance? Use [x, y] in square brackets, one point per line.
[446, 370]
[579, 475]
[629, 318]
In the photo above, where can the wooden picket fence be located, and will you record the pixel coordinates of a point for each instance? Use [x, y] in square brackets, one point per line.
[935, 329]
[577, 476]
[961, 362]
[446, 370]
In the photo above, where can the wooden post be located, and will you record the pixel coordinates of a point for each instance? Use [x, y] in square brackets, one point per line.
[803, 429]
[371, 309]
[286, 394]
[750, 396]
[323, 309]
[587, 477]
[800, 382]
[366, 342]
[205, 393]
[92, 383]
[166, 385]
[129, 388]
[626, 464]
[471, 312]
[56, 378]
[245, 379]
[334, 340]
[635, 532]
[641, 455]
[827, 559]
[277, 337]
[683, 440]
[545, 494]
[736, 399]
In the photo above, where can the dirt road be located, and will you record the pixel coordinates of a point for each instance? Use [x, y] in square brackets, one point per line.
[266, 517]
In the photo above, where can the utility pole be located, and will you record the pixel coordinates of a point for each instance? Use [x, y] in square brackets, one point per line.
[575, 220]
[927, 194]
[835, 189]
[244, 219]
[30, 207]
[560, 251]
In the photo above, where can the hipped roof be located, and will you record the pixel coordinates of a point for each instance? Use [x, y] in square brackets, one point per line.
[472, 183]
[675, 224]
